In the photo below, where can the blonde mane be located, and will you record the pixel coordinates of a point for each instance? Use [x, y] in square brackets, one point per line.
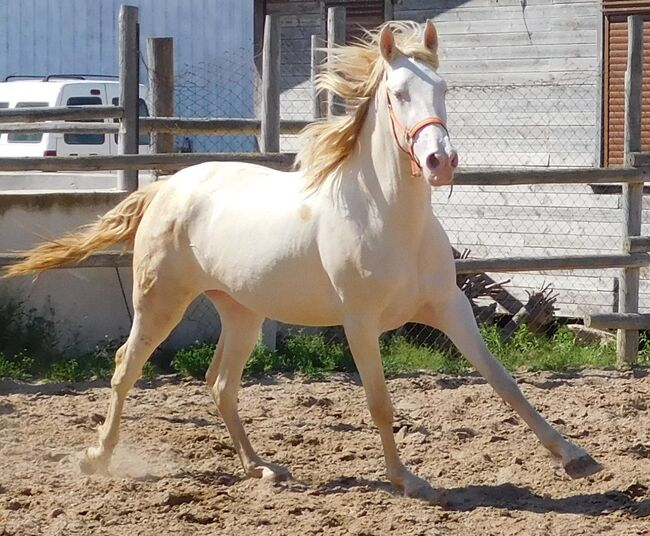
[353, 72]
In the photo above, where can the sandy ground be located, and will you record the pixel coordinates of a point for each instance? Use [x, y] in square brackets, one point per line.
[175, 471]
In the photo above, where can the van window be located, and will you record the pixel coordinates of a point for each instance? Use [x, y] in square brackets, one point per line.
[4, 105]
[84, 139]
[24, 137]
[144, 139]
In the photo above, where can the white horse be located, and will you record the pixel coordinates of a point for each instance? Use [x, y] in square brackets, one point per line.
[349, 239]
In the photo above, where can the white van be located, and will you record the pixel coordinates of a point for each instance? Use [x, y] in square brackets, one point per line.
[63, 90]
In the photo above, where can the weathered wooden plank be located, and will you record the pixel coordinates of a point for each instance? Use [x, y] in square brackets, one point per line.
[160, 55]
[335, 36]
[621, 321]
[567, 262]
[628, 340]
[636, 244]
[103, 259]
[129, 69]
[270, 127]
[318, 56]
[532, 51]
[63, 113]
[61, 126]
[448, 29]
[216, 126]
[172, 161]
[553, 176]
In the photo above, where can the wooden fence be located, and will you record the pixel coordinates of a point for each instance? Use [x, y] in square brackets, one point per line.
[269, 127]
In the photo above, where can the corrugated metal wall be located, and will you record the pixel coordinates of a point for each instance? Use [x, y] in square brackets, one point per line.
[213, 42]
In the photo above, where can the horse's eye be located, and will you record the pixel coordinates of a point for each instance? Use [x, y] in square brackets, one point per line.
[401, 95]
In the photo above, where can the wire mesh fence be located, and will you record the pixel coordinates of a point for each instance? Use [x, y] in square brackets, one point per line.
[511, 125]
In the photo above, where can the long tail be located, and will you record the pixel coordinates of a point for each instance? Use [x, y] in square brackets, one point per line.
[117, 225]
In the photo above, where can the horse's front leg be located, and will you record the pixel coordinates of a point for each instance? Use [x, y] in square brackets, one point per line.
[362, 337]
[455, 318]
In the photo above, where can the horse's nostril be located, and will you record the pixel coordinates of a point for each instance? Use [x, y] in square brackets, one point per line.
[432, 161]
[454, 160]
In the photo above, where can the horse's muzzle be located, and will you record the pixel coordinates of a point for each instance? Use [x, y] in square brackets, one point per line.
[439, 169]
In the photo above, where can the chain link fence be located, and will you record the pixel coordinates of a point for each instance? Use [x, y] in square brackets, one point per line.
[518, 125]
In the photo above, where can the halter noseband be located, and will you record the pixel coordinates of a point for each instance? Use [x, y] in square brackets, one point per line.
[409, 135]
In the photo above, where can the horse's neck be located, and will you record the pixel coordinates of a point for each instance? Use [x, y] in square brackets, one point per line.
[380, 172]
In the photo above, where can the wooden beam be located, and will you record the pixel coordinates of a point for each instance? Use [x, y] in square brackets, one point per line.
[562, 262]
[270, 112]
[636, 244]
[216, 126]
[66, 127]
[463, 266]
[638, 159]
[173, 161]
[103, 259]
[627, 321]
[129, 68]
[160, 54]
[511, 177]
[61, 113]
[335, 37]
[627, 341]
[318, 55]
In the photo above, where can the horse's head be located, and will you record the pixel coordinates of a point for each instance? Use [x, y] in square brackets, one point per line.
[416, 102]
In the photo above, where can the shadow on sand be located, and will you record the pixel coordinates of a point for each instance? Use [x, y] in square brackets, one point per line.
[509, 497]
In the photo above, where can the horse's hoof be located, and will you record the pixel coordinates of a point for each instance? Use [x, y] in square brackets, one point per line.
[582, 467]
[271, 472]
[91, 463]
[418, 488]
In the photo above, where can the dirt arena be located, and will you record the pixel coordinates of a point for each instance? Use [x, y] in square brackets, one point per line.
[175, 471]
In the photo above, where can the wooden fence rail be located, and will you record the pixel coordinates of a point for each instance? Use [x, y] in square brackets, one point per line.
[216, 126]
[112, 259]
[60, 113]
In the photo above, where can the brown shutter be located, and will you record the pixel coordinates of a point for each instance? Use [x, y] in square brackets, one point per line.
[614, 84]
[627, 7]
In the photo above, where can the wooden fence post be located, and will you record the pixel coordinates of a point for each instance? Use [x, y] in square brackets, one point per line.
[335, 36]
[160, 57]
[270, 122]
[317, 59]
[270, 127]
[628, 340]
[129, 58]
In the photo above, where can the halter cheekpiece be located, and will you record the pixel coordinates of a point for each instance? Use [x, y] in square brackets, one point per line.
[410, 134]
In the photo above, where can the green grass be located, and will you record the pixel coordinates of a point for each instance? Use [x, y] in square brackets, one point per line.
[28, 352]
[313, 356]
[559, 352]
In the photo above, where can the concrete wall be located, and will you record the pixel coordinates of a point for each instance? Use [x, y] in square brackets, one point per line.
[86, 304]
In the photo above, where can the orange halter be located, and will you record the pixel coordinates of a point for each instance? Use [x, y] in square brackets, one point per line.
[409, 135]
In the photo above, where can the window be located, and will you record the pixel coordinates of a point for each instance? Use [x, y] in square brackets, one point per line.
[4, 105]
[143, 111]
[23, 137]
[84, 139]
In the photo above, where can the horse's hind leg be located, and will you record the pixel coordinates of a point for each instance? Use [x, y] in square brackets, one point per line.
[456, 319]
[240, 329]
[156, 312]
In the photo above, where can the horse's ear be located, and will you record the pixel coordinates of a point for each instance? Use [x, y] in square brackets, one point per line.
[430, 36]
[387, 43]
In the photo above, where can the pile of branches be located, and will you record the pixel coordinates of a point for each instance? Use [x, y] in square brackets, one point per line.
[538, 313]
